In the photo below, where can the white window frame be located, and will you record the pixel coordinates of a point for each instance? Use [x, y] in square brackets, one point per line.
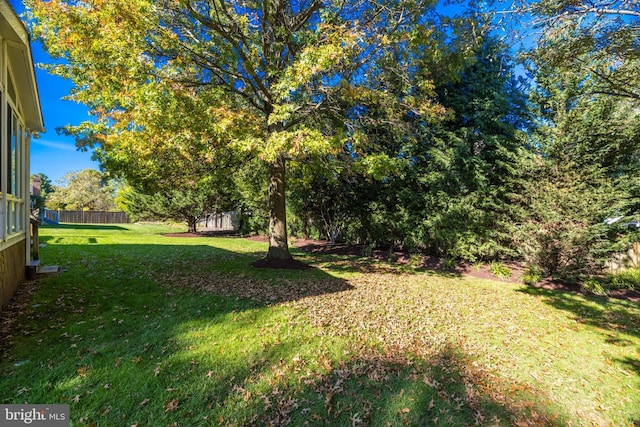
[13, 207]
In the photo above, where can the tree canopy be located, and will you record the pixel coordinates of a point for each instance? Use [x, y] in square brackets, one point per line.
[88, 189]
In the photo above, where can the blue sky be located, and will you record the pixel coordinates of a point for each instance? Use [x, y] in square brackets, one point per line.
[53, 154]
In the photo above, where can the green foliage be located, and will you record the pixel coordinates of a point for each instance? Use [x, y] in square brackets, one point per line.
[595, 286]
[500, 270]
[602, 285]
[599, 38]
[588, 149]
[477, 266]
[447, 194]
[563, 231]
[178, 84]
[625, 279]
[46, 189]
[182, 204]
[448, 264]
[251, 194]
[532, 274]
[83, 190]
[398, 129]
[415, 260]
[367, 250]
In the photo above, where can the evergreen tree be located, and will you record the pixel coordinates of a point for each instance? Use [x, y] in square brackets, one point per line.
[586, 148]
[455, 192]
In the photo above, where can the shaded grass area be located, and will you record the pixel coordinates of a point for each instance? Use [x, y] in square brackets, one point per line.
[142, 329]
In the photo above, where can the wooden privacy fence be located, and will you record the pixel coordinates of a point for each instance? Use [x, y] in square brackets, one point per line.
[88, 217]
[226, 221]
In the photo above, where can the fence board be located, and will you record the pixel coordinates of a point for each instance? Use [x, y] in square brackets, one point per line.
[222, 221]
[90, 217]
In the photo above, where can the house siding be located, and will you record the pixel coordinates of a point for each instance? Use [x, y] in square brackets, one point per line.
[20, 119]
[12, 271]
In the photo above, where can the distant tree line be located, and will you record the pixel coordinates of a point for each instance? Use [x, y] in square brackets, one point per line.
[86, 190]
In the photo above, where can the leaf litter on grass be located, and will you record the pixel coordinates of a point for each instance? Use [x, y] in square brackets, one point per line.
[402, 317]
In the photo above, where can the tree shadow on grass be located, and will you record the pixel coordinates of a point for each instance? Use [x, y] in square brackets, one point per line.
[208, 364]
[447, 388]
[631, 364]
[619, 320]
[115, 315]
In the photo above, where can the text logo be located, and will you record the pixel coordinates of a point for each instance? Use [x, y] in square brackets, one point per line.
[34, 415]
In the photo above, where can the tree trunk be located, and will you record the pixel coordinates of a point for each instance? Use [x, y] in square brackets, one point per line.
[191, 225]
[278, 246]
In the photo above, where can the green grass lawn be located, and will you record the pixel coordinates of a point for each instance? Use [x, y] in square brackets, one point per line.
[146, 330]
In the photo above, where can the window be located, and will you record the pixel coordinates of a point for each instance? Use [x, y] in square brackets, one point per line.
[13, 158]
[7, 160]
[13, 199]
[1, 138]
[11, 88]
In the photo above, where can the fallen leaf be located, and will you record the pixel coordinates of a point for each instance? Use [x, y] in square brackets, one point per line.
[82, 371]
[171, 405]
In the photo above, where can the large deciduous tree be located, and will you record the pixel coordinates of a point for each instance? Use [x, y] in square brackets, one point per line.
[283, 79]
[83, 190]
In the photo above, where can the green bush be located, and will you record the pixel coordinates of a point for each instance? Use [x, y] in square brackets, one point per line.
[595, 286]
[627, 279]
[561, 229]
[531, 275]
[477, 266]
[448, 264]
[415, 260]
[367, 250]
[500, 270]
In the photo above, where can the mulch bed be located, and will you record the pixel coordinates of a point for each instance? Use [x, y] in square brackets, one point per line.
[427, 263]
[464, 269]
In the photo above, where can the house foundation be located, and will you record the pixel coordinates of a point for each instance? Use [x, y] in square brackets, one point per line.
[12, 270]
